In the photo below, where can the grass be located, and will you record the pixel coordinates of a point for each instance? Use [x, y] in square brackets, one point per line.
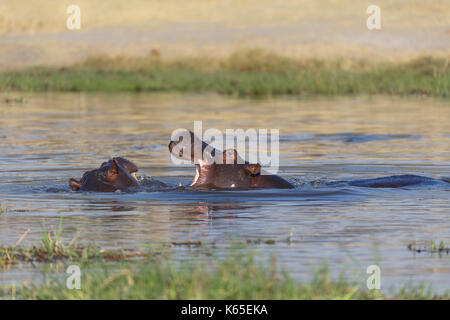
[238, 276]
[135, 274]
[76, 253]
[51, 248]
[8, 100]
[250, 72]
[430, 247]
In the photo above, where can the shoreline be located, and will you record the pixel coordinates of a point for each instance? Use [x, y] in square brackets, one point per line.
[251, 73]
[154, 274]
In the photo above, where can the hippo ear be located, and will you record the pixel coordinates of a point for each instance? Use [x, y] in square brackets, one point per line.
[125, 164]
[113, 170]
[230, 156]
[253, 169]
[122, 174]
[75, 185]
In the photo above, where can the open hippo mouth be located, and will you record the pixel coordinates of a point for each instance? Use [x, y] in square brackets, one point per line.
[116, 174]
[231, 173]
[202, 169]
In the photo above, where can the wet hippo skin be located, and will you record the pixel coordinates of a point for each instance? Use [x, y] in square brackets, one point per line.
[393, 181]
[116, 174]
[231, 174]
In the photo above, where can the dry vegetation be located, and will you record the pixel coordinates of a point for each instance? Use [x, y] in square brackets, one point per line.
[35, 33]
[42, 16]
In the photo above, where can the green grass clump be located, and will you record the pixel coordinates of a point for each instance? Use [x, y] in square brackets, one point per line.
[253, 72]
[134, 274]
[430, 247]
[53, 252]
[238, 276]
[52, 248]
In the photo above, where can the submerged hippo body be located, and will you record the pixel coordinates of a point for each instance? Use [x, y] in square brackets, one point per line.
[231, 174]
[116, 174]
[394, 181]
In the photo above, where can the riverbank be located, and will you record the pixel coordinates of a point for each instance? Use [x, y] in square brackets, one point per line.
[152, 273]
[253, 72]
[239, 276]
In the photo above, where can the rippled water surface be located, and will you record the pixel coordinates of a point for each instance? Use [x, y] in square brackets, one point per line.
[52, 137]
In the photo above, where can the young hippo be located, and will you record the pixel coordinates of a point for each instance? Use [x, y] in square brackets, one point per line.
[230, 174]
[116, 174]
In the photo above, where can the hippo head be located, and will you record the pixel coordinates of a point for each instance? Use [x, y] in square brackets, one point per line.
[116, 174]
[228, 174]
[231, 173]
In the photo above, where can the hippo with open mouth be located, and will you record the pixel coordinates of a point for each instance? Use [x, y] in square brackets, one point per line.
[233, 173]
[116, 174]
[230, 174]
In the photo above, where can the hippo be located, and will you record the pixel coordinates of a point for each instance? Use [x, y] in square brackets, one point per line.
[231, 174]
[398, 181]
[116, 174]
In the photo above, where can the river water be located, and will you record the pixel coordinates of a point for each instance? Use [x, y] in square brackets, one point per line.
[50, 138]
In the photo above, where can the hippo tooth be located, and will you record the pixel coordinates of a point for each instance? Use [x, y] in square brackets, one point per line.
[197, 175]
